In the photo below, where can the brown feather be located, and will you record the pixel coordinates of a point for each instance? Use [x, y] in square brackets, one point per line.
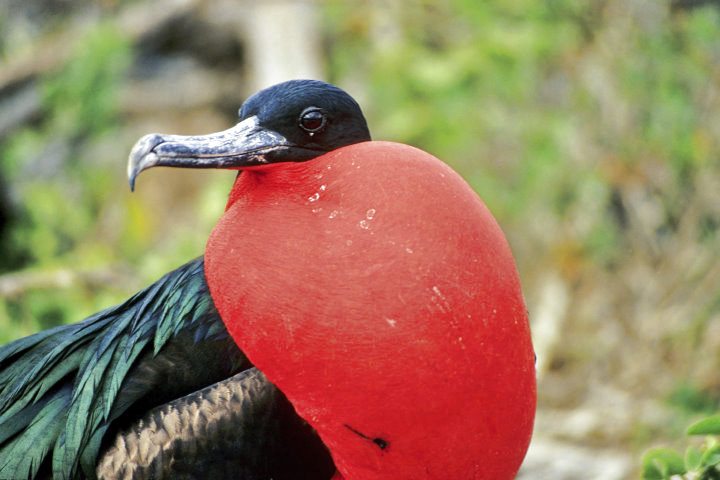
[240, 428]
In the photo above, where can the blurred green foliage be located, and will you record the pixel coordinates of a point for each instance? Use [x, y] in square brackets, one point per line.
[699, 463]
[467, 74]
[59, 190]
[693, 400]
[58, 187]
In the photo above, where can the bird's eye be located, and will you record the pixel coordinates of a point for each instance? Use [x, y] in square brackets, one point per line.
[312, 120]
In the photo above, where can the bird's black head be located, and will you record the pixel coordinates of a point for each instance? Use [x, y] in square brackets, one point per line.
[293, 121]
[309, 113]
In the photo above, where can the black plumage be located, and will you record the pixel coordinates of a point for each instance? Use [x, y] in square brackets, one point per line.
[143, 371]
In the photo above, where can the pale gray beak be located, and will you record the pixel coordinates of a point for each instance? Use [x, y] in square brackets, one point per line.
[245, 144]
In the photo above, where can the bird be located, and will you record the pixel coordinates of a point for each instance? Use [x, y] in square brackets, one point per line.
[357, 314]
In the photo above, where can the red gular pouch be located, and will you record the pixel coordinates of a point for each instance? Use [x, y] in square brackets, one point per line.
[375, 289]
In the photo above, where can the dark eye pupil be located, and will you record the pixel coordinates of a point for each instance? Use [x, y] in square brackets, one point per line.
[312, 121]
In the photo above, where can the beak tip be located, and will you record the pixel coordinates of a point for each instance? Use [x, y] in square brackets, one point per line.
[142, 157]
[132, 175]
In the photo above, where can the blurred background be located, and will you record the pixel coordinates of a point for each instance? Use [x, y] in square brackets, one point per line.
[590, 128]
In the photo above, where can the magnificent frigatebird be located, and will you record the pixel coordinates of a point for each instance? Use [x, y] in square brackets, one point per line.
[369, 287]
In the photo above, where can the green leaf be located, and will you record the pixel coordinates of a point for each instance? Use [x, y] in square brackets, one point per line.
[693, 458]
[706, 426]
[711, 455]
[661, 463]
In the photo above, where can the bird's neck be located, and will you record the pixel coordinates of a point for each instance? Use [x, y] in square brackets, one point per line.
[375, 290]
[283, 179]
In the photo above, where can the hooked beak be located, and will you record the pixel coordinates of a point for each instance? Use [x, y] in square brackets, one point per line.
[245, 144]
